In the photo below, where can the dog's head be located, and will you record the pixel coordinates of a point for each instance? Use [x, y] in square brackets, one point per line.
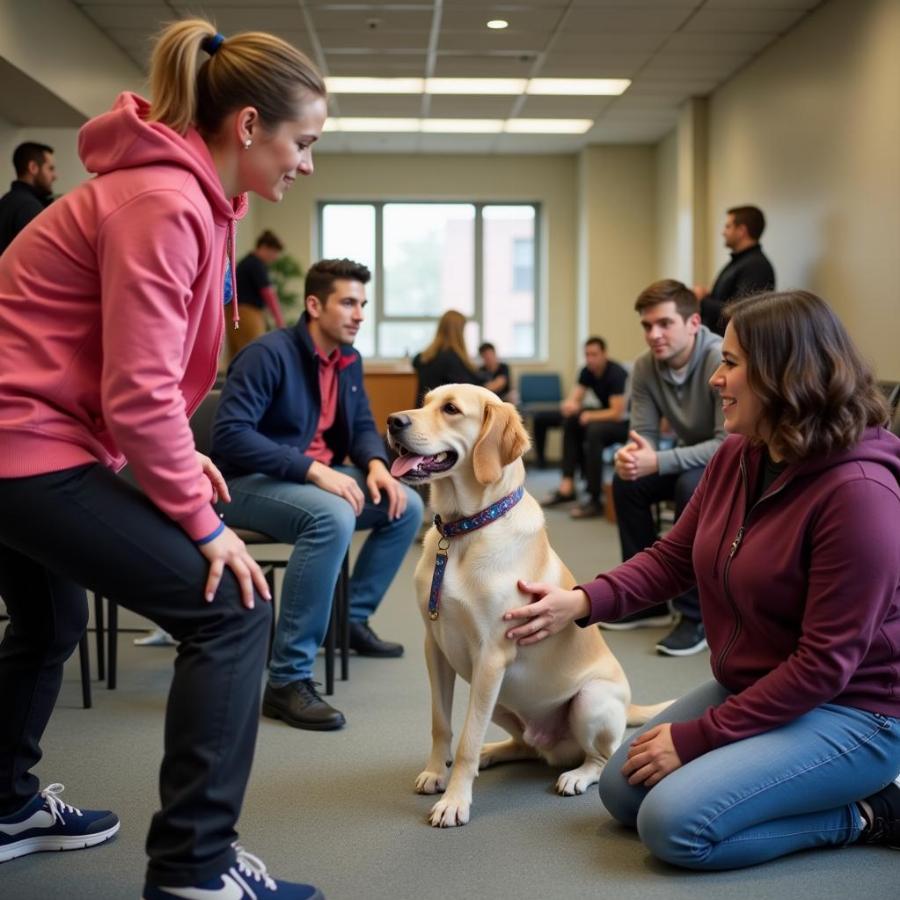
[458, 425]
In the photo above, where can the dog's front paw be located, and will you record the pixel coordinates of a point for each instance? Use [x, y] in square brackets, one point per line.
[429, 782]
[578, 780]
[450, 812]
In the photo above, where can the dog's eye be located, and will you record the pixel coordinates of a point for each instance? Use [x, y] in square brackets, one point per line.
[450, 409]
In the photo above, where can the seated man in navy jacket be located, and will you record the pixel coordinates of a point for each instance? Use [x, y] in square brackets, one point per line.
[292, 410]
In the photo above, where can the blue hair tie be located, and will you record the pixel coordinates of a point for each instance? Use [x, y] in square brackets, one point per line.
[212, 43]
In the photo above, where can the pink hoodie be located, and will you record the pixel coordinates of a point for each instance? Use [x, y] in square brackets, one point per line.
[111, 314]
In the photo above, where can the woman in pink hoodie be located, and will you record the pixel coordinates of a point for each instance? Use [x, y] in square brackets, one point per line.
[110, 329]
[792, 540]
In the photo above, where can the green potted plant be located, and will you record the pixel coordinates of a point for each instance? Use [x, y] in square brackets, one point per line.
[286, 271]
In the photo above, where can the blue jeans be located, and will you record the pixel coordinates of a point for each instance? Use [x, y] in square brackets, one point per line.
[320, 525]
[789, 789]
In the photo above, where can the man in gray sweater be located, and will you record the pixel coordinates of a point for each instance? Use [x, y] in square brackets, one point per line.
[669, 382]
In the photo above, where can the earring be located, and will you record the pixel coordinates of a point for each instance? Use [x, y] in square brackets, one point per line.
[247, 144]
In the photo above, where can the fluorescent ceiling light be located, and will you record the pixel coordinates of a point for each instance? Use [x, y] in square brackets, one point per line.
[375, 85]
[497, 24]
[511, 86]
[459, 126]
[577, 86]
[462, 126]
[376, 126]
[548, 126]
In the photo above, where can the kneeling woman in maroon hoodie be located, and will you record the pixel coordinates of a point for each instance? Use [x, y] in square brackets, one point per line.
[792, 540]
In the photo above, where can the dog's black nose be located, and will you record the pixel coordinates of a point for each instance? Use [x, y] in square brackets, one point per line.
[397, 423]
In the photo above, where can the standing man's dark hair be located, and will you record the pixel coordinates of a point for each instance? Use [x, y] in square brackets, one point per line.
[30, 193]
[748, 272]
[269, 239]
[29, 152]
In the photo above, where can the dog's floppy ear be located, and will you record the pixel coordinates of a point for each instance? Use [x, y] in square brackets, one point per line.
[503, 439]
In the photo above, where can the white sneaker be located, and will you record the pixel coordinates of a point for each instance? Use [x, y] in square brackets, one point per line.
[156, 638]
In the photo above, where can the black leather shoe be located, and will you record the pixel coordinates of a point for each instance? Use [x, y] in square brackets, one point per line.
[366, 643]
[300, 705]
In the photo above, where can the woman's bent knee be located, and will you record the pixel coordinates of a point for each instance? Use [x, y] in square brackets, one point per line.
[621, 800]
[666, 831]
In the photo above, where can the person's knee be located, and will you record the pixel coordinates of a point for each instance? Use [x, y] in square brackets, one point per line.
[665, 830]
[621, 800]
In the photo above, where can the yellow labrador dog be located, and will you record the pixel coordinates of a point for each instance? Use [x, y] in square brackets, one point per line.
[565, 699]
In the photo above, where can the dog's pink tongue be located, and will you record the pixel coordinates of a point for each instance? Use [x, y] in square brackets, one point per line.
[402, 464]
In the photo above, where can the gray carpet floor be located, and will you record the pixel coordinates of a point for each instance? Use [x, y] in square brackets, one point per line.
[338, 809]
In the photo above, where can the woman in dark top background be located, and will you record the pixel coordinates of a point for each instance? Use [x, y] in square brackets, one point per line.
[445, 360]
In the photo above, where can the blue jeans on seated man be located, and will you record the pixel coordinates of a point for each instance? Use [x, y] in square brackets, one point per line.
[793, 788]
[320, 525]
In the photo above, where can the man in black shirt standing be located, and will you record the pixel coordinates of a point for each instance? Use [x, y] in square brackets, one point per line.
[30, 193]
[255, 293]
[594, 417]
[749, 271]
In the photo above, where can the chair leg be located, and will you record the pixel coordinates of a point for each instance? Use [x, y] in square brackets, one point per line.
[344, 617]
[98, 626]
[331, 639]
[84, 659]
[113, 645]
[270, 581]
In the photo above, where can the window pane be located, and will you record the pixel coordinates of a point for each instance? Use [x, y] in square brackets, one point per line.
[429, 259]
[348, 230]
[509, 272]
[404, 339]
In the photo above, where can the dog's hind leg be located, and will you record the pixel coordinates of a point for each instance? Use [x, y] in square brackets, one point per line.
[597, 718]
[513, 749]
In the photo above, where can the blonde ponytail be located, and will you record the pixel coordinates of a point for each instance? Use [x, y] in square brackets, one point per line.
[250, 69]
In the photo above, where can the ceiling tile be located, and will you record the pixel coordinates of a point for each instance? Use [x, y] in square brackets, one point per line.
[362, 38]
[521, 42]
[718, 42]
[354, 18]
[593, 65]
[385, 64]
[726, 21]
[563, 107]
[482, 66]
[145, 15]
[624, 19]
[364, 105]
[447, 106]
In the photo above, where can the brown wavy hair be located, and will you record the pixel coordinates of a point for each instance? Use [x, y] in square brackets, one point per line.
[818, 394]
[450, 335]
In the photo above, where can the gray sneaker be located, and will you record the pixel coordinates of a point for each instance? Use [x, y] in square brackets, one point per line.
[685, 639]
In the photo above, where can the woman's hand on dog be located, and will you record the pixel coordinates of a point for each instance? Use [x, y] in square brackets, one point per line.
[651, 756]
[549, 611]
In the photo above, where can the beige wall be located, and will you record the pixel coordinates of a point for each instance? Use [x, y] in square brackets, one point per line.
[810, 132]
[668, 259]
[617, 193]
[60, 48]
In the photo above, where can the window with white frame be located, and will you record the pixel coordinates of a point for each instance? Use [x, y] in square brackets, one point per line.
[426, 258]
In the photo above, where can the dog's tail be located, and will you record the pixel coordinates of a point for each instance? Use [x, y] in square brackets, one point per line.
[640, 715]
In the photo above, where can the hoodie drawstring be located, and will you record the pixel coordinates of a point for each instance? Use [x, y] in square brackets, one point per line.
[230, 244]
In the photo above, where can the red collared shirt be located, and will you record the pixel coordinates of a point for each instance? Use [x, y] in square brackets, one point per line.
[328, 391]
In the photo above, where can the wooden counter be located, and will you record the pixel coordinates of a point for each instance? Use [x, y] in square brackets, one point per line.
[390, 389]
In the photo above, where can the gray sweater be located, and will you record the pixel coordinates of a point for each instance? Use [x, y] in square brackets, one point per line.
[693, 409]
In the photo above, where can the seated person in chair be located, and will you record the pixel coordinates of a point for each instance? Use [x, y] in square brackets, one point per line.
[292, 409]
[494, 374]
[593, 418]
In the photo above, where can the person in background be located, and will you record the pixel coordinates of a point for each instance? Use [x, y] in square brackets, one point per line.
[255, 293]
[671, 382]
[30, 193]
[792, 539]
[594, 418]
[110, 331]
[445, 360]
[748, 272]
[494, 374]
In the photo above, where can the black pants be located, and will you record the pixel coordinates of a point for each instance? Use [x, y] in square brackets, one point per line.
[86, 528]
[584, 445]
[637, 529]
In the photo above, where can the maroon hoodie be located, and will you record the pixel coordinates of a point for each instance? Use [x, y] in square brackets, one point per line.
[799, 592]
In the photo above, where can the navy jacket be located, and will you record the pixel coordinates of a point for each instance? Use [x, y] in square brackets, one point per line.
[18, 208]
[270, 406]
